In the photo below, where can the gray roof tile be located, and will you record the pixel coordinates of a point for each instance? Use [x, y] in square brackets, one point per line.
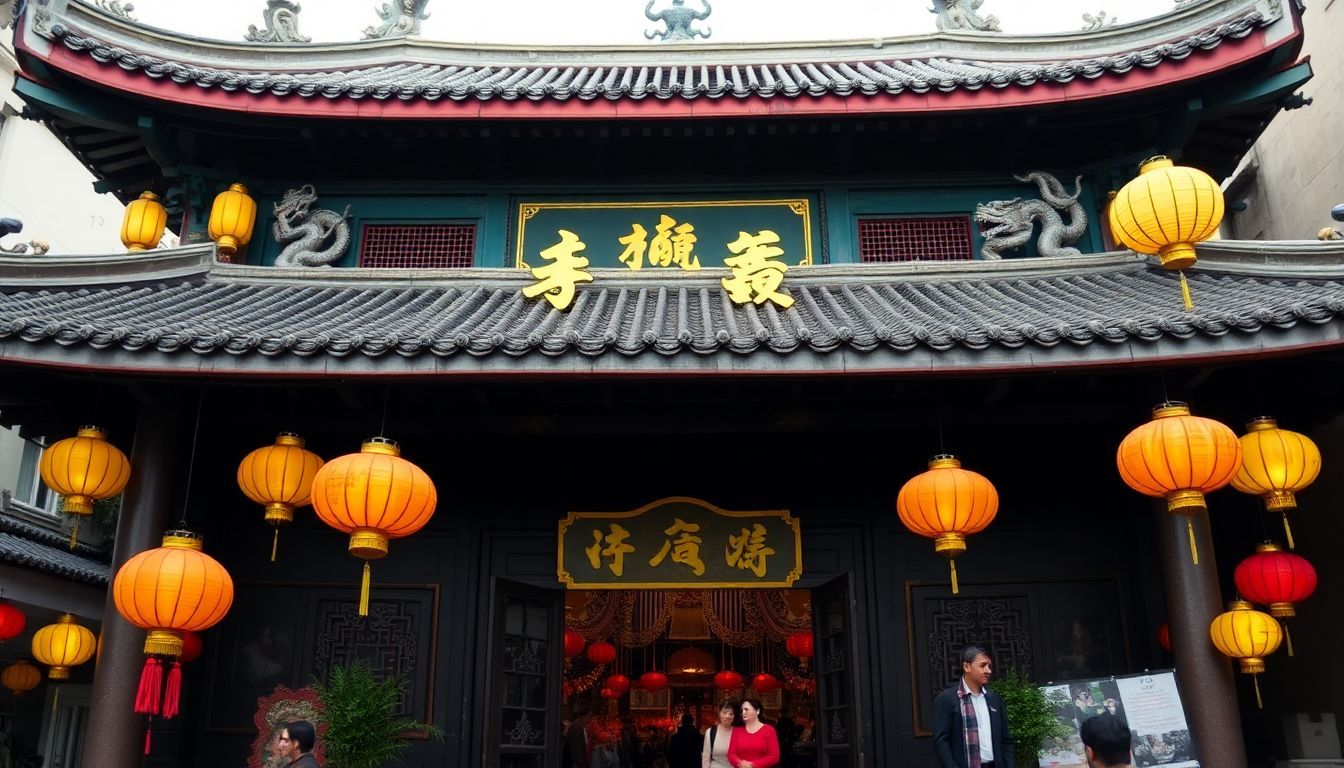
[30, 546]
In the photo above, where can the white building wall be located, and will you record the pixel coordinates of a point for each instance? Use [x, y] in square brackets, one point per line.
[1298, 163]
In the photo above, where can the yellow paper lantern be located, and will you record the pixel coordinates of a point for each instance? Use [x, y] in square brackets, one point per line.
[232, 218]
[374, 495]
[1165, 210]
[143, 224]
[63, 645]
[20, 677]
[1179, 457]
[1276, 464]
[279, 476]
[83, 469]
[1247, 635]
[947, 504]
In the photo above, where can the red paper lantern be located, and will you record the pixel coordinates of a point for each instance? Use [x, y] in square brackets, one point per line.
[765, 682]
[601, 653]
[12, 620]
[618, 683]
[1275, 578]
[574, 643]
[728, 680]
[800, 645]
[192, 646]
[1164, 636]
[607, 693]
[653, 681]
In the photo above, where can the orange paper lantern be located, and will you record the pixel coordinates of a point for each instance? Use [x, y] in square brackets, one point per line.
[1276, 465]
[63, 645]
[947, 504]
[374, 495]
[279, 477]
[168, 591]
[20, 677]
[1179, 457]
[84, 469]
[1247, 635]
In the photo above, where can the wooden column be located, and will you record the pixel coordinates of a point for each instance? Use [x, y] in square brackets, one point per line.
[116, 734]
[1208, 684]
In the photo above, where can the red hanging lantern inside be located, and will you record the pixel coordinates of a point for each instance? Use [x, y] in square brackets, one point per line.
[618, 683]
[12, 621]
[192, 647]
[728, 680]
[607, 693]
[601, 652]
[653, 681]
[800, 645]
[1277, 579]
[1164, 637]
[574, 643]
[765, 682]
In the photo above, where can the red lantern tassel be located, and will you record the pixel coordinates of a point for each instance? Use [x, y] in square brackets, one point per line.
[151, 680]
[147, 732]
[172, 694]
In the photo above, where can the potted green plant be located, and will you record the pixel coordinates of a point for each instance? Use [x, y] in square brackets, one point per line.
[363, 729]
[1031, 715]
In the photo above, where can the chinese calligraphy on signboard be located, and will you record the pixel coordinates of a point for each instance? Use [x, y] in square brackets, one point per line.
[679, 542]
[757, 240]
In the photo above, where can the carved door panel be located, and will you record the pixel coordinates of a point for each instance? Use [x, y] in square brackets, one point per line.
[837, 727]
[526, 667]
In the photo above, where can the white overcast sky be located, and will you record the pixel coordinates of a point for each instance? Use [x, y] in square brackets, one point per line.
[605, 22]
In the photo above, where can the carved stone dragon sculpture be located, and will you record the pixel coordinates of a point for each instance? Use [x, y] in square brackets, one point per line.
[963, 15]
[1008, 224]
[282, 24]
[306, 230]
[678, 19]
[400, 18]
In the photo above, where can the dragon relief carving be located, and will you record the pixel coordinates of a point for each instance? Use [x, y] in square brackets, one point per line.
[962, 15]
[1009, 224]
[282, 24]
[306, 230]
[400, 18]
[678, 19]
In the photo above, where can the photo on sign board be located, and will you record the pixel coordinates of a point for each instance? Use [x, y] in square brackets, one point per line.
[1149, 702]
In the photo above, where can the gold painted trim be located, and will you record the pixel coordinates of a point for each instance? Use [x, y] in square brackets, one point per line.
[566, 578]
[799, 206]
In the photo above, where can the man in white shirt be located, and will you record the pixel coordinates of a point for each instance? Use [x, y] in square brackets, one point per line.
[970, 729]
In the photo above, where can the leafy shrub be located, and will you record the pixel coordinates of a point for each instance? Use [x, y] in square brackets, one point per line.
[363, 730]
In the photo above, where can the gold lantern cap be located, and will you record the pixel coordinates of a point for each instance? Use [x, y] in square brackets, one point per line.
[236, 187]
[944, 461]
[289, 438]
[1171, 408]
[66, 618]
[1268, 546]
[1261, 423]
[1240, 605]
[182, 539]
[1155, 162]
[92, 430]
[147, 195]
[383, 445]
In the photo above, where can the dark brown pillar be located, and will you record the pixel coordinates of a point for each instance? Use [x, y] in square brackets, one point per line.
[116, 734]
[1208, 686]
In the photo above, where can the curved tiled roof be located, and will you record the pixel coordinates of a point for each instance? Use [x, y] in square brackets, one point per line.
[30, 546]
[269, 316]
[704, 79]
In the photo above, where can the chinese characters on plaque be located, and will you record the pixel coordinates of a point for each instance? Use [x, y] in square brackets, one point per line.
[679, 542]
[565, 240]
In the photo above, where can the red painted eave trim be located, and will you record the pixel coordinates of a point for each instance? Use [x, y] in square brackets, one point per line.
[1228, 54]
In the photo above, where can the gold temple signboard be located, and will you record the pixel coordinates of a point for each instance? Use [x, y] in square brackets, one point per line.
[679, 542]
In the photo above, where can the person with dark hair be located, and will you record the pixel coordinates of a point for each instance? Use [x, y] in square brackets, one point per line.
[297, 740]
[718, 737]
[683, 749]
[579, 739]
[1106, 740]
[755, 744]
[970, 726]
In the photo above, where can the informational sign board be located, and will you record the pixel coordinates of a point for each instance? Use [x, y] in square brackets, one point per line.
[1149, 702]
[679, 542]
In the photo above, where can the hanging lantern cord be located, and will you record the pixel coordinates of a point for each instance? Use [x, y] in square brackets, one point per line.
[191, 463]
[1190, 531]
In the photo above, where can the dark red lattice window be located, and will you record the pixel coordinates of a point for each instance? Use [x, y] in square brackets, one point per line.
[915, 238]
[417, 246]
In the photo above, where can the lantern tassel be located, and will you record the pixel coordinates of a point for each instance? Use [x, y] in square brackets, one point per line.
[1288, 531]
[1259, 704]
[1288, 638]
[953, 565]
[172, 693]
[1190, 531]
[55, 699]
[147, 741]
[275, 544]
[74, 534]
[364, 591]
[1187, 299]
[151, 680]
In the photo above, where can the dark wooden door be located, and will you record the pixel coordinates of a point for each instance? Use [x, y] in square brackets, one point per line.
[526, 667]
[837, 727]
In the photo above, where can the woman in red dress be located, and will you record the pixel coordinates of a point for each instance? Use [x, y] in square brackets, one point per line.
[755, 744]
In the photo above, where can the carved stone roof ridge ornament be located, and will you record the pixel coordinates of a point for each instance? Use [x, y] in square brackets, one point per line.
[401, 18]
[678, 19]
[306, 230]
[1099, 21]
[114, 7]
[963, 16]
[281, 19]
[1008, 224]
